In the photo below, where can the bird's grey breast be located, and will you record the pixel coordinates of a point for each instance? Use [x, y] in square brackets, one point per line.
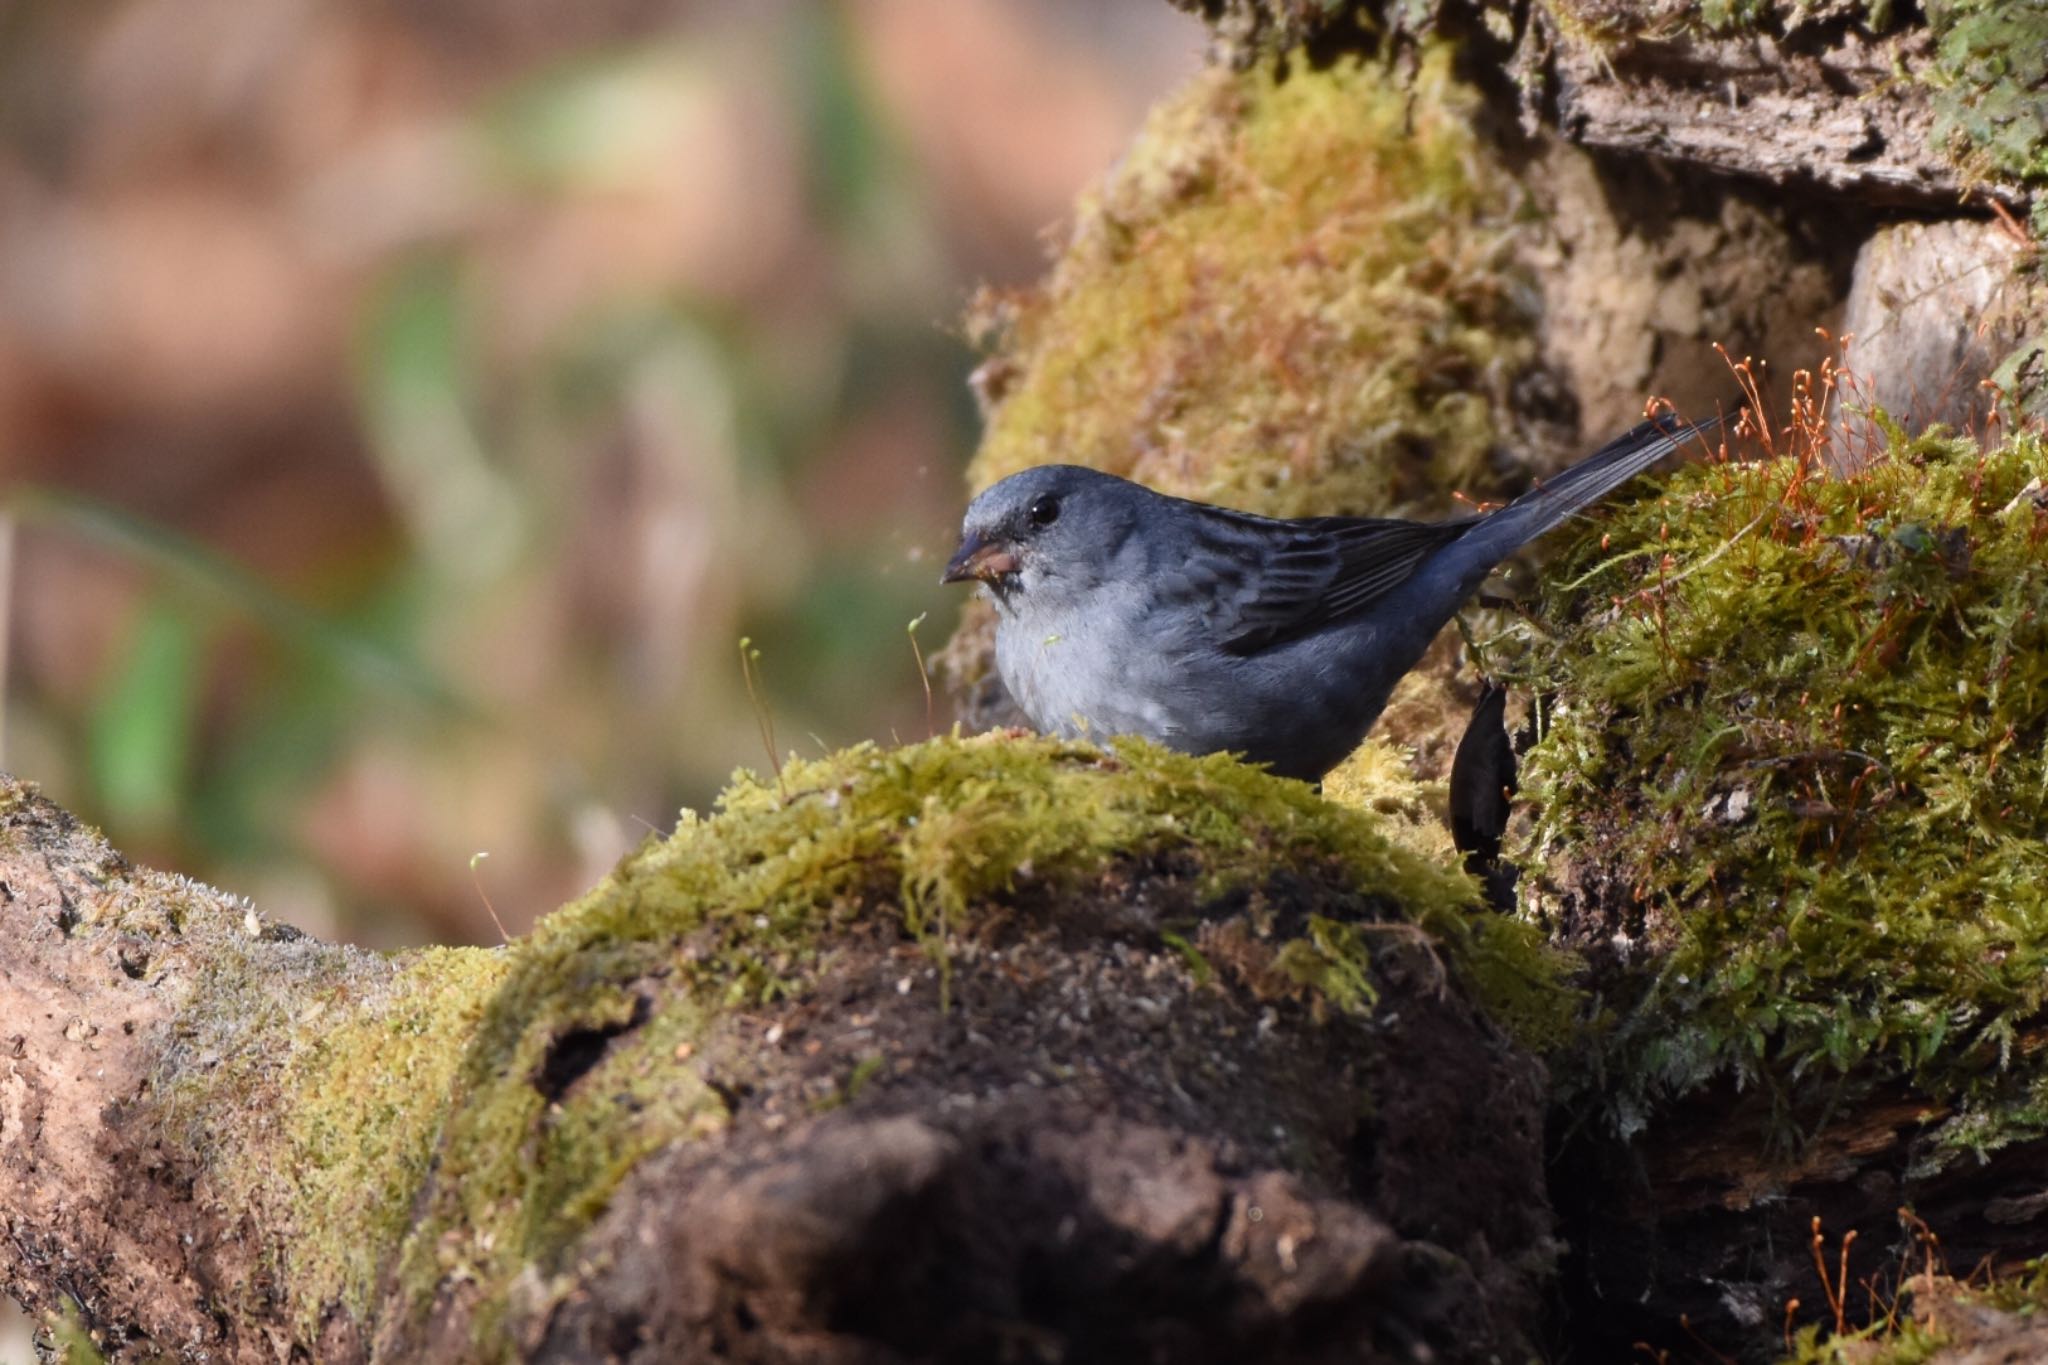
[1093, 665]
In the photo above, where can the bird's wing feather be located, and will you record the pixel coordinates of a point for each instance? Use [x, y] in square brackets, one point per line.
[1259, 581]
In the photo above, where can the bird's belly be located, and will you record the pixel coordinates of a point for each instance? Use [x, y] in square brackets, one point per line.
[1298, 711]
[1081, 688]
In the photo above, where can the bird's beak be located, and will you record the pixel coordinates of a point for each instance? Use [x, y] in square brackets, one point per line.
[977, 558]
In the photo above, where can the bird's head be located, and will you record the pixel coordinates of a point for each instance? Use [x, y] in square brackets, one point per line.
[1047, 529]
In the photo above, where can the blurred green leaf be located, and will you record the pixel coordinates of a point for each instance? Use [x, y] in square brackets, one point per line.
[596, 118]
[293, 726]
[850, 150]
[413, 366]
[214, 581]
[140, 736]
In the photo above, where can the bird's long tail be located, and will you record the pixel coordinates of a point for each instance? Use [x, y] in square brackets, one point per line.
[1497, 536]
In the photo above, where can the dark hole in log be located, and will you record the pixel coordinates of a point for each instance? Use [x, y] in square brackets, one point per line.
[574, 1053]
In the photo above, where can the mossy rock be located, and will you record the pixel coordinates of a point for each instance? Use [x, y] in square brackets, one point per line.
[1294, 296]
[1991, 90]
[436, 1136]
[1792, 781]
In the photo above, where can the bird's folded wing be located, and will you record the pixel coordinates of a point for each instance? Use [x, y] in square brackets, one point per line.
[1258, 581]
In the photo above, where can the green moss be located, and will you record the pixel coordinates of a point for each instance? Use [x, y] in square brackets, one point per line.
[1294, 296]
[1991, 90]
[67, 1340]
[1990, 81]
[2024, 1292]
[1800, 733]
[310, 1081]
[367, 1099]
[1908, 1342]
[744, 908]
[1378, 777]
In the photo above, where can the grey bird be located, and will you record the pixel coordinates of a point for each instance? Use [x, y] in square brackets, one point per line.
[1121, 611]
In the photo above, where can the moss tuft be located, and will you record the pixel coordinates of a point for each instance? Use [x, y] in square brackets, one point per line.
[1794, 775]
[1379, 777]
[1294, 296]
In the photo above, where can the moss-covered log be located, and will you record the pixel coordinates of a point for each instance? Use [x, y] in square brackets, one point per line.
[1788, 800]
[947, 1052]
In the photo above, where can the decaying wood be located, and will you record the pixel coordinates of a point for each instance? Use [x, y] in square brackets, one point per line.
[1840, 111]
[1701, 1228]
[93, 1221]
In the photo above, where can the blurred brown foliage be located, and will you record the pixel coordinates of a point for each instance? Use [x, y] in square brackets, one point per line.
[406, 409]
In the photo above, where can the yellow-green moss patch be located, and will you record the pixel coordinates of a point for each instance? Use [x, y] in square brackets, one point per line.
[311, 1081]
[1797, 759]
[743, 909]
[1294, 296]
[367, 1097]
[1379, 777]
[459, 1117]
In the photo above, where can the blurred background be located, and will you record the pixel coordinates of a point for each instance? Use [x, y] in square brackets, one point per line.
[405, 410]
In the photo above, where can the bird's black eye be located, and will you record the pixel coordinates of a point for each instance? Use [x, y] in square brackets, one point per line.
[1045, 510]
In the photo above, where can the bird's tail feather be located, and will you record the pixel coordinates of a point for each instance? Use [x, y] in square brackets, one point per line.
[1586, 482]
